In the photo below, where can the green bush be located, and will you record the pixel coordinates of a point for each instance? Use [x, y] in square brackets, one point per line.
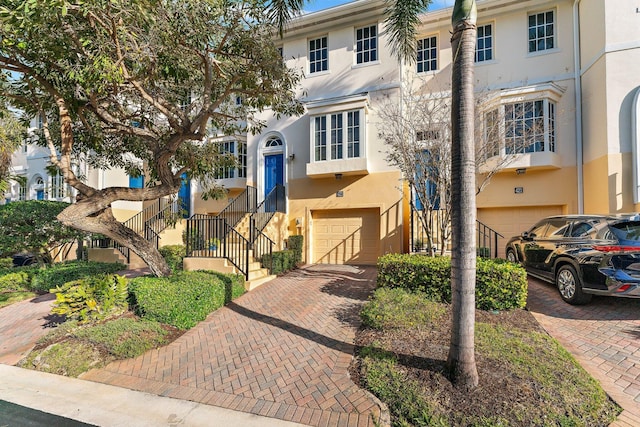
[499, 285]
[91, 298]
[15, 281]
[174, 255]
[295, 243]
[6, 263]
[183, 299]
[56, 275]
[280, 261]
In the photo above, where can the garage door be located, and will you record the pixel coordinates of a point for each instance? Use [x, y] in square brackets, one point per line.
[348, 236]
[513, 221]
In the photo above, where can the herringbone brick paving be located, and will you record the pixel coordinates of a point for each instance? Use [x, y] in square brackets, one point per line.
[604, 336]
[283, 350]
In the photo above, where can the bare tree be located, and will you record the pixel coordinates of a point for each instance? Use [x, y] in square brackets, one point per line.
[416, 127]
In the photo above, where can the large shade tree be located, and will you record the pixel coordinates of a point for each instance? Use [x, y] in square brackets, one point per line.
[11, 136]
[141, 82]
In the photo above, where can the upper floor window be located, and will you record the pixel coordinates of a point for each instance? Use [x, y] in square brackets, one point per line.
[318, 55]
[484, 43]
[22, 192]
[366, 44]
[233, 150]
[57, 186]
[521, 127]
[427, 54]
[341, 139]
[541, 31]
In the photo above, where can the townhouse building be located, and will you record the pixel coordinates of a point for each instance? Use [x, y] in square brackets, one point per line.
[559, 75]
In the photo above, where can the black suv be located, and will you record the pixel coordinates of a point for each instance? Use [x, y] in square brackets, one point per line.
[583, 255]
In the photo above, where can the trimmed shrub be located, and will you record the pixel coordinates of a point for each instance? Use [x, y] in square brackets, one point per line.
[15, 281]
[6, 263]
[499, 285]
[91, 298]
[295, 243]
[173, 254]
[183, 299]
[56, 275]
[280, 261]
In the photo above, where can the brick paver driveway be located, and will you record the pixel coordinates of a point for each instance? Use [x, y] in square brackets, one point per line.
[604, 336]
[282, 350]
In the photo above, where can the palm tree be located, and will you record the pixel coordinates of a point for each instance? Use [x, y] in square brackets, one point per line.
[402, 21]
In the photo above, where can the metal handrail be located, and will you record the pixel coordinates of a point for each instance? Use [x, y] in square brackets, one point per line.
[213, 237]
[245, 202]
[487, 238]
[263, 245]
[274, 202]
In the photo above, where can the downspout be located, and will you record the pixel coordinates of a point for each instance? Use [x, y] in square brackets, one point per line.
[635, 140]
[577, 79]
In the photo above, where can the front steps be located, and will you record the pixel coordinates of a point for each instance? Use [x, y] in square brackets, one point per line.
[257, 274]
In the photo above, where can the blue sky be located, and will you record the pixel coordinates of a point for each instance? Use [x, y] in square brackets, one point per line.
[313, 5]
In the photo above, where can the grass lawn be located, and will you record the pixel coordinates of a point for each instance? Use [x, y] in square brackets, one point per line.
[526, 377]
[8, 298]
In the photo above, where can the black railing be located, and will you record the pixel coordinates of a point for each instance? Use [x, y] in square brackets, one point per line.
[166, 215]
[487, 240]
[486, 237]
[213, 237]
[245, 202]
[274, 202]
[263, 245]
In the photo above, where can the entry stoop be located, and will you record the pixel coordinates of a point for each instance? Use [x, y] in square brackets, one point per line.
[257, 274]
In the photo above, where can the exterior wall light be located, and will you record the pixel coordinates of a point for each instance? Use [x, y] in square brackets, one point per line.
[338, 176]
[521, 171]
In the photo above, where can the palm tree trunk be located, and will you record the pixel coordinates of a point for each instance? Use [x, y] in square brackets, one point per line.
[461, 360]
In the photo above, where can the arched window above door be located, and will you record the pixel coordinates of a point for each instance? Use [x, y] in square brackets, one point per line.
[274, 141]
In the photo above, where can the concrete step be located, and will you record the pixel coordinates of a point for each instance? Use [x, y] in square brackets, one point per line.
[252, 284]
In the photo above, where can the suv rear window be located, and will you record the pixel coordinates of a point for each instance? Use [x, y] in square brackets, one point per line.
[626, 230]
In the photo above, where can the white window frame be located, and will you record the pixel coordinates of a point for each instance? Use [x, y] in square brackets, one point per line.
[239, 151]
[56, 189]
[534, 35]
[510, 130]
[482, 40]
[318, 56]
[427, 54]
[337, 135]
[364, 52]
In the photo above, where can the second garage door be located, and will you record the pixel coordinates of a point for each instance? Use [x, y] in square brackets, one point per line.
[512, 221]
[349, 236]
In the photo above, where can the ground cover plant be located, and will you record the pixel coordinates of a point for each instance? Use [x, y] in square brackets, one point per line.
[526, 377]
[73, 348]
[97, 331]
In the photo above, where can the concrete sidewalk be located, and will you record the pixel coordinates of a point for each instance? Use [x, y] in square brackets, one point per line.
[105, 405]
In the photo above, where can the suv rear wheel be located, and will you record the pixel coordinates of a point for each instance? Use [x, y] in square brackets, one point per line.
[570, 287]
[511, 256]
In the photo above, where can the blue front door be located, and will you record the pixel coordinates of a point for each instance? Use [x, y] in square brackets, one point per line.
[185, 196]
[273, 172]
[39, 194]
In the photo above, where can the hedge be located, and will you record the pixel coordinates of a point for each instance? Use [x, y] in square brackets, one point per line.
[174, 255]
[280, 261]
[15, 281]
[499, 285]
[184, 298]
[56, 275]
[295, 244]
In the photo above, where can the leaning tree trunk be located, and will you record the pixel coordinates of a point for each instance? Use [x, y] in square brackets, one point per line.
[105, 223]
[461, 360]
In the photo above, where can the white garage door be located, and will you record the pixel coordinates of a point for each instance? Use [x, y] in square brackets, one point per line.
[512, 221]
[349, 236]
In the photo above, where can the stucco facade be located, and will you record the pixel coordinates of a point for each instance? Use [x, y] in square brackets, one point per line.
[569, 63]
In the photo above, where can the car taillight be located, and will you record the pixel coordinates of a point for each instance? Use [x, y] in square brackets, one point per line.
[624, 287]
[616, 248]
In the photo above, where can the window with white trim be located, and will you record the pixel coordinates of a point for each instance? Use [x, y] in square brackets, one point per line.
[542, 32]
[57, 186]
[342, 139]
[367, 44]
[22, 192]
[484, 43]
[521, 127]
[238, 150]
[318, 55]
[427, 50]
